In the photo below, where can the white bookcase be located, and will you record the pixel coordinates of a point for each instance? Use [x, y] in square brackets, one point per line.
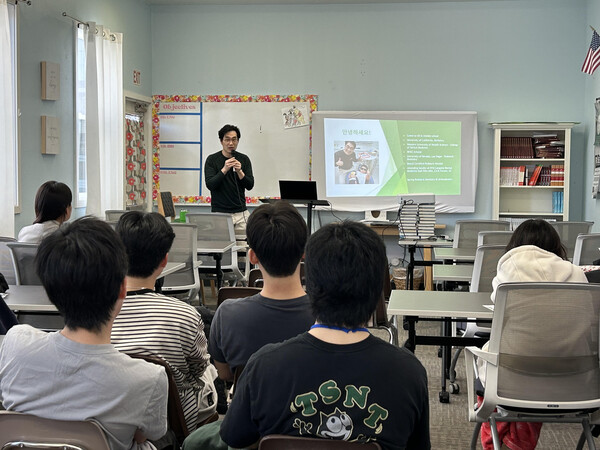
[524, 202]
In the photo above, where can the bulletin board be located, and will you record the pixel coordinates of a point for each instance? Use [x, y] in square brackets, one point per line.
[276, 134]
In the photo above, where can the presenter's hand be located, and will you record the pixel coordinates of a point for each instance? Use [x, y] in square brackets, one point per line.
[339, 163]
[230, 163]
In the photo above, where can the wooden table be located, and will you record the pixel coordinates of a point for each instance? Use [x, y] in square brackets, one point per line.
[391, 229]
[439, 306]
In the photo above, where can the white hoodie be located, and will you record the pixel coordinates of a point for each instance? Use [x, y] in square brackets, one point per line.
[531, 263]
[33, 234]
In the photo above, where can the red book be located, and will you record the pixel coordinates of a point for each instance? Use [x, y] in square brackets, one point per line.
[536, 174]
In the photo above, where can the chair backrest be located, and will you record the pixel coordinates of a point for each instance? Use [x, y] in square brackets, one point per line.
[255, 278]
[25, 431]
[546, 336]
[236, 292]
[113, 215]
[23, 256]
[485, 267]
[493, 237]
[6, 265]
[215, 227]
[183, 250]
[587, 249]
[282, 442]
[175, 416]
[466, 231]
[568, 232]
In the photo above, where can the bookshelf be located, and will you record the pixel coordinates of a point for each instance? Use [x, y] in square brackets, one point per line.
[520, 147]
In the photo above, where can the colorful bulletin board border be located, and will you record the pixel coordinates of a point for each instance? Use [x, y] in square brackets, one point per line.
[157, 99]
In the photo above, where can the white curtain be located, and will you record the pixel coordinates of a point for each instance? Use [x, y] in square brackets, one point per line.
[7, 125]
[104, 120]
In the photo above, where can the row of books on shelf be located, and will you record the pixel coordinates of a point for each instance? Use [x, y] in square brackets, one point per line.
[538, 146]
[533, 175]
[417, 221]
[516, 221]
[557, 202]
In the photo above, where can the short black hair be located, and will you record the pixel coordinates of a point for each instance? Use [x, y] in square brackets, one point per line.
[82, 267]
[540, 233]
[351, 142]
[51, 201]
[345, 265]
[148, 238]
[277, 233]
[226, 129]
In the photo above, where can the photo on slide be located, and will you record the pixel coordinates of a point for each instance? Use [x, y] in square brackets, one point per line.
[356, 162]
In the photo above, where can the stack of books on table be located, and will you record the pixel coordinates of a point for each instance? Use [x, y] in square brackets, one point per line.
[407, 226]
[426, 224]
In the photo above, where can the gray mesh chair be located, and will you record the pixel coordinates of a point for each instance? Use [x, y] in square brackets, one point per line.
[587, 249]
[114, 214]
[24, 431]
[542, 363]
[568, 232]
[493, 237]
[184, 283]
[217, 228]
[484, 271]
[6, 265]
[466, 231]
[22, 257]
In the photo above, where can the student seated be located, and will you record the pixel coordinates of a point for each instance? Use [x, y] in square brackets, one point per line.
[76, 373]
[276, 236]
[52, 208]
[335, 381]
[156, 325]
[534, 253]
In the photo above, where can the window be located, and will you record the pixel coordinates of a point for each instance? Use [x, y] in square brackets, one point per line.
[80, 150]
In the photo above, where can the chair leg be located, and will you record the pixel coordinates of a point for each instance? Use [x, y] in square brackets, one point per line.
[495, 436]
[588, 435]
[475, 436]
[213, 290]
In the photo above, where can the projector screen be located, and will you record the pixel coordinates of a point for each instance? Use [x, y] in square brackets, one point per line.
[365, 160]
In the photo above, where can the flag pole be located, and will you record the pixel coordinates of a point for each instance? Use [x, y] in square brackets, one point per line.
[593, 29]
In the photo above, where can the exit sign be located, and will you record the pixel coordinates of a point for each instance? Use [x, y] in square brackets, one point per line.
[136, 77]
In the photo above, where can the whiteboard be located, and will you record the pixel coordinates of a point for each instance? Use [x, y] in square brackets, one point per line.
[185, 133]
[275, 152]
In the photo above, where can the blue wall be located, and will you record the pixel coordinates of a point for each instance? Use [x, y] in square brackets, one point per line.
[507, 60]
[44, 35]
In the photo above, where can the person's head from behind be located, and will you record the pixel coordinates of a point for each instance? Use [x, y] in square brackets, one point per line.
[148, 238]
[345, 265]
[82, 267]
[53, 202]
[540, 233]
[277, 234]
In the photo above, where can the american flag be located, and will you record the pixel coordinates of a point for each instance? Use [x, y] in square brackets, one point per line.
[592, 59]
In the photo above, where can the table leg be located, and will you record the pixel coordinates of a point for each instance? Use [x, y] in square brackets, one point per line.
[218, 257]
[444, 395]
[428, 269]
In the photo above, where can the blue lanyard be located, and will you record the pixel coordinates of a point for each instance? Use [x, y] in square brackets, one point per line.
[345, 330]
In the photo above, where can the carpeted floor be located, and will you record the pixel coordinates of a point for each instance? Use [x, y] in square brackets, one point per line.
[449, 425]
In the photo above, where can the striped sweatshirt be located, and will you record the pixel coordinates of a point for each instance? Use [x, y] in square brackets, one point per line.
[156, 325]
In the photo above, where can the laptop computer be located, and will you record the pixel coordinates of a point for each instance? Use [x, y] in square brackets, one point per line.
[300, 192]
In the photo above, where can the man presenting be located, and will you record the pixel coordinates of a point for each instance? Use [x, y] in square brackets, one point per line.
[228, 174]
